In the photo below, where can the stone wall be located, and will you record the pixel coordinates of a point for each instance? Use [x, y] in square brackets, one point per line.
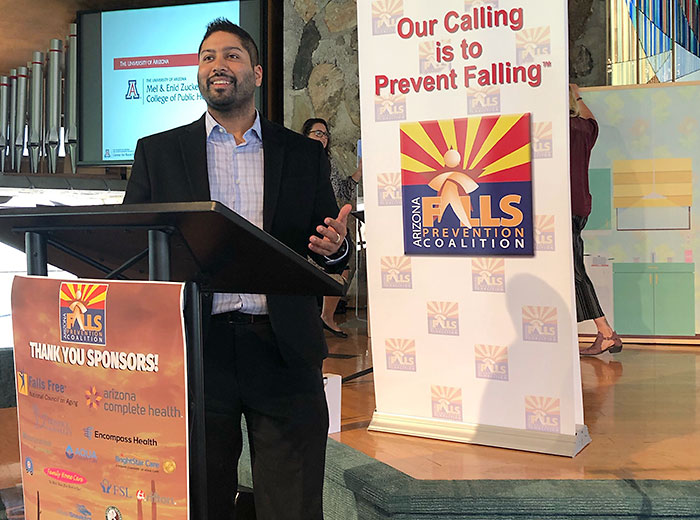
[587, 42]
[320, 72]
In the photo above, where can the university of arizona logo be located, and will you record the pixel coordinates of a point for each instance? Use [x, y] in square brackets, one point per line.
[390, 108]
[389, 189]
[491, 362]
[542, 414]
[488, 275]
[443, 318]
[532, 45]
[467, 186]
[82, 307]
[396, 272]
[483, 100]
[540, 324]
[542, 147]
[385, 14]
[400, 354]
[447, 402]
[131, 91]
[427, 58]
[544, 233]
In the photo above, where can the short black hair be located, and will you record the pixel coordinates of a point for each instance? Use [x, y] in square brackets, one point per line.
[222, 24]
[308, 125]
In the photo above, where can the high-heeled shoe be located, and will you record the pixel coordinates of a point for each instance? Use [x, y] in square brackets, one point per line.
[336, 333]
[595, 349]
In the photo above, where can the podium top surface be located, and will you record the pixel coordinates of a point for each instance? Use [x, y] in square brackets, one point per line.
[209, 244]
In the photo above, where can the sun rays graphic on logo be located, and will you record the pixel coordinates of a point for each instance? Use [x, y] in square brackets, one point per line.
[540, 323]
[491, 354]
[400, 354]
[92, 398]
[542, 413]
[485, 268]
[447, 402]
[532, 43]
[385, 13]
[455, 156]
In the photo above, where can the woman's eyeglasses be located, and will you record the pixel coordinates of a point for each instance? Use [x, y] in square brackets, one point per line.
[321, 133]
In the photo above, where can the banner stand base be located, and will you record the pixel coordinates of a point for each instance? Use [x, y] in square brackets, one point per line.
[496, 436]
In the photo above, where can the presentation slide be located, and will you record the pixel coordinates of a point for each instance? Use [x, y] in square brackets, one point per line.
[149, 71]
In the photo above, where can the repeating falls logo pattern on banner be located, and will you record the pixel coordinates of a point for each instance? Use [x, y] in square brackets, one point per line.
[540, 324]
[467, 186]
[447, 402]
[489, 275]
[544, 233]
[542, 414]
[385, 14]
[83, 312]
[389, 189]
[491, 362]
[443, 318]
[396, 272]
[400, 354]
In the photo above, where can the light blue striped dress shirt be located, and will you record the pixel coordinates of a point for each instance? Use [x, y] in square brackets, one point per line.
[236, 179]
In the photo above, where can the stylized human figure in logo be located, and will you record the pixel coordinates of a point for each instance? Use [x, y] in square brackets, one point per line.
[22, 382]
[448, 183]
[78, 310]
[536, 327]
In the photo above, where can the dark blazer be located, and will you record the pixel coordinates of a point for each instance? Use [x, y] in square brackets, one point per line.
[172, 167]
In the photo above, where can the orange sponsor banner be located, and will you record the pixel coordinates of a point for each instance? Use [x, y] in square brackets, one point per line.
[101, 398]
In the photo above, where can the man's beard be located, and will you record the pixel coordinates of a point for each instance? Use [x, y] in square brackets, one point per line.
[237, 95]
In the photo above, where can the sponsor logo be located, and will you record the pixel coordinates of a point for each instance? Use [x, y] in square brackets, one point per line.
[128, 462]
[467, 186]
[400, 354]
[154, 498]
[125, 403]
[491, 362]
[390, 108]
[107, 154]
[443, 318]
[483, 100]
[542, 414]
[91, 433]
[37, 443]
[389, 189]
[540, 324]
[80, 453]
[469, 4]
[131, 90]
[39, 388]
[113, 513]
[80, 513]
[427, 58]
[542, 146]
[396, 272]
[532, 45]
[110, 488]
[488, 275]
[29, 465]
[544, 233]
[447, 402]
[385, 14]
[63, 475]
[47, 422]
[82, 308]
[169, 466]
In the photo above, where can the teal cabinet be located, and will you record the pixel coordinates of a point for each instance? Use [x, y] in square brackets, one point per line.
[654, 299]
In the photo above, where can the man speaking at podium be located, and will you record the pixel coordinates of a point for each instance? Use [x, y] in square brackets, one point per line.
[262, 353]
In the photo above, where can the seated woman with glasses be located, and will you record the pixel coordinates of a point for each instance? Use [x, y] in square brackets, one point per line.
[344, 189]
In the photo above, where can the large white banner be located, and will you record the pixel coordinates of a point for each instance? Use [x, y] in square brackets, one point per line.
[465, 153]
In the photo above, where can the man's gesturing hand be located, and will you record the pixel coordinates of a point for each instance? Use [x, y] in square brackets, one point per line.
[332, 233]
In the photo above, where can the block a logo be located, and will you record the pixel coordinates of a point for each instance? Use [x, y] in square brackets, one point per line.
[390, 108]
[491, 362]
[532, 45]
[385, 14]
[542, 414]
[544, 233]
[482, 100]
[488, 275]
[92, 398]
[469, 4]
[443, 318]
[400, 354]
[389, 189]
[447, 402]
[396, 272]
[83, 312]
[427, 58]
[131, 90]
[540, 324]
[22, 383]
[542, 147]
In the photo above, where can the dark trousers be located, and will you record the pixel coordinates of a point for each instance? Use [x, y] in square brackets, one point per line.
[287, 418]
[587, 305]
